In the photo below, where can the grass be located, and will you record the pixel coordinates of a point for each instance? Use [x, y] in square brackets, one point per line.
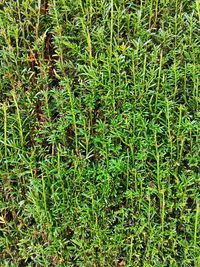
[99, 133]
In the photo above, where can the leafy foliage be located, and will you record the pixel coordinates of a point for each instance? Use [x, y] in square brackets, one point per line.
[99, 140]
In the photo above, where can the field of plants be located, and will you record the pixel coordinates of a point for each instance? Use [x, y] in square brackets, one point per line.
[99, 133]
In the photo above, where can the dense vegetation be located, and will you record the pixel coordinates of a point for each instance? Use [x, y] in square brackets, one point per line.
[99, 133]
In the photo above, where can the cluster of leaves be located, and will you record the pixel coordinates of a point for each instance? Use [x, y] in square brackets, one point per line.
[99, 139]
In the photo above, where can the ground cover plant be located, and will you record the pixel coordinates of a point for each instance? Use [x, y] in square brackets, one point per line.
[99, 133]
